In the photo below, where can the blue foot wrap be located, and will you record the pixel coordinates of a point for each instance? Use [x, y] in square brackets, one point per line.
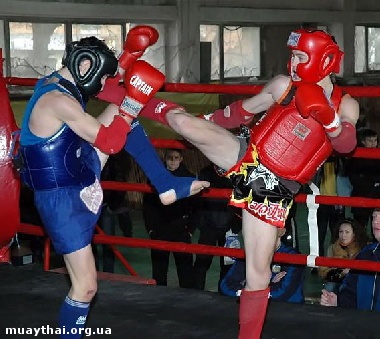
[140, 148]
[181, 186]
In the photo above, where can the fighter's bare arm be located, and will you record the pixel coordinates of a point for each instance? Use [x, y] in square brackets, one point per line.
[349, 110]
[271, 93]
[55, 108]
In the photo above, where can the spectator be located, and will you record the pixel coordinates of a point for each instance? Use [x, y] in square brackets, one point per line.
[286, 282]
[29, 214]
[364, 176]
[327, 215]
[115, 212]
[290, 237]
[362, 122]
[117, 169]
[348, 240]
[170, 223]
[214, 219]
[343, 184]
[360, 289]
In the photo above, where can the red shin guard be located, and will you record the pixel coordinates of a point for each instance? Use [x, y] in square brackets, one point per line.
[253, 308]
[157, 108]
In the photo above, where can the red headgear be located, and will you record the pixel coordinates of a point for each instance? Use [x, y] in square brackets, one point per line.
[318, 45]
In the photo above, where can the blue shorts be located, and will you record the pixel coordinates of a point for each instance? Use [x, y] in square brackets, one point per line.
[67, 220]
[70, 224]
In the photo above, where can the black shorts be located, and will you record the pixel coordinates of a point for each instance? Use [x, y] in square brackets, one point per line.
[260, 191]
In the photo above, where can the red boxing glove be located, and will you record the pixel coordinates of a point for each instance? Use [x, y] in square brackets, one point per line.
[231, 116]
[142, 81]
[113, 91]
[138, 39]
[310, 100]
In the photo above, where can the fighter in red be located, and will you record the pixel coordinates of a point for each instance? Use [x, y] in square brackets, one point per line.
[306, 118]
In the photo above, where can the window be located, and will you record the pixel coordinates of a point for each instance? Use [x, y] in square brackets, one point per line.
[111, 34]
[360, 54]
[36, 49]
[241, 52]
[367, 49]
[240, 57]
[210, 34]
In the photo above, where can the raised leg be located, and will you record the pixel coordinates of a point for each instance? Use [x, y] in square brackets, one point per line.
[138, 145]
[219, 145]
[169, 187]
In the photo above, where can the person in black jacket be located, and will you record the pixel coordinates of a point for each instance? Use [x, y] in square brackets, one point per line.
[286, 283]
[115, 211]
[364, 176]
[170, 223]
[214, 219]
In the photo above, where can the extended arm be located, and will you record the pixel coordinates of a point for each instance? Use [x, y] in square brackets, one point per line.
[242, 111]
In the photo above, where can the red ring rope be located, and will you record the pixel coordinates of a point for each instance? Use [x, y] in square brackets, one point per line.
[356, 91]
[296, 259]
[301, 259]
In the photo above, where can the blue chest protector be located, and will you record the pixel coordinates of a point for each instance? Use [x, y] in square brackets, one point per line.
[62, 160]
[62, 170]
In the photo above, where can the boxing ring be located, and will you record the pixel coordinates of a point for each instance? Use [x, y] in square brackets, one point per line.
[133, 306]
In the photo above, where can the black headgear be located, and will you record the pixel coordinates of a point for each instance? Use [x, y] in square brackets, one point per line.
[103, 62]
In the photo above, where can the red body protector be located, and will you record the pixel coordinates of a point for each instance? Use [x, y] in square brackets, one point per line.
[9, 179]
[289, 145]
